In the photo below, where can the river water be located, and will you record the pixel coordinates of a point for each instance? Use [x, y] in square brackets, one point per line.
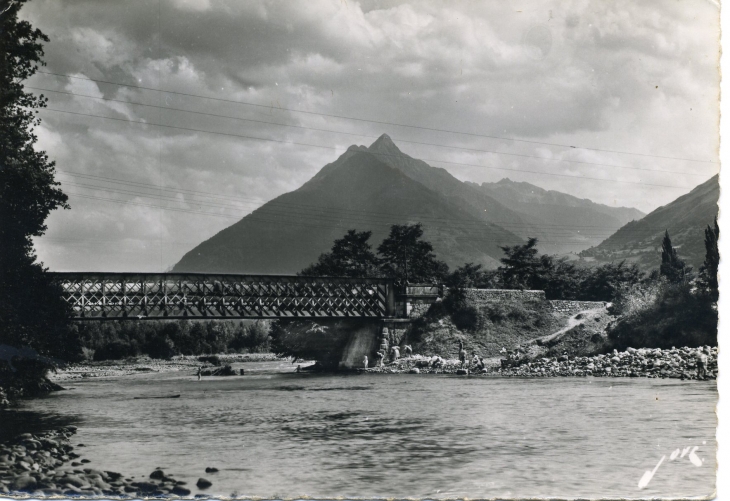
[277, 434]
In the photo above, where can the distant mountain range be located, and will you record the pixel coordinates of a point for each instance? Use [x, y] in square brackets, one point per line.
[685, 218]
[371, 188]
[562, 222]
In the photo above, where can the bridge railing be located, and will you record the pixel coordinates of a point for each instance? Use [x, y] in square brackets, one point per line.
[100, 296]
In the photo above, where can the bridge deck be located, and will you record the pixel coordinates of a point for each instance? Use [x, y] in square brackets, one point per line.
[114, 296]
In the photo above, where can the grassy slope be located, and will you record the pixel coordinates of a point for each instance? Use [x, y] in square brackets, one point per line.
[505, 324]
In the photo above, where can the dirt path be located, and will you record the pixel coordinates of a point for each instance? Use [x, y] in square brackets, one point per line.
[572, 322]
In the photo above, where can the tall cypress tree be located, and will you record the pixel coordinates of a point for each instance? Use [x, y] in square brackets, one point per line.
[672, 266]
[708, 272]
[32, 312]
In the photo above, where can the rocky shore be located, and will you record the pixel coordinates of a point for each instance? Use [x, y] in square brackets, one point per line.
[45, 465]
[678, 363]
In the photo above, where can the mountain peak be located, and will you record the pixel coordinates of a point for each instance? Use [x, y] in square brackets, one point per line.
[384, 145]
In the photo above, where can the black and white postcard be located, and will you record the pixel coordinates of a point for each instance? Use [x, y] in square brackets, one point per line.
[372, 249]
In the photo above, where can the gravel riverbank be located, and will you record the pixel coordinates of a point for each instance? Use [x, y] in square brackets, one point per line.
[45, 465]
[679, 363]
[137, 365]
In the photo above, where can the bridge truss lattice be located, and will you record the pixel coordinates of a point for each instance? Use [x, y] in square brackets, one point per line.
[114, 296]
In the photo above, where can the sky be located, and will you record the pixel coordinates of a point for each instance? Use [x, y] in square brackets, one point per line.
[169, 120]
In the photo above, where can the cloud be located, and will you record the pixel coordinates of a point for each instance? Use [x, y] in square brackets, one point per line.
[616, 76]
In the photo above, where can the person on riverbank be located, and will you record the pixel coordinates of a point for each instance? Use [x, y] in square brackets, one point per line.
[702, 362]
[408, 351]
[365, 362]
[462, 353]
[379, 355]
[200, 370]
[394, 353]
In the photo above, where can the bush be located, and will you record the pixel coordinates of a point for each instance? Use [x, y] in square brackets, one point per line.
[116, 350]
[677, 317]
[466, 318]
[161, 346]
[210, 359]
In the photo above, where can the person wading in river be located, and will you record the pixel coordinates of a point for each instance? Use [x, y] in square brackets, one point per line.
[200, 370]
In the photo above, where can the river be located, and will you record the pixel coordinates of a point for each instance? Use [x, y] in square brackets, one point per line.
[276, 434]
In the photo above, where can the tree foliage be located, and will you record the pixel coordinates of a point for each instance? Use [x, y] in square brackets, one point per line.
[523, 268]
[351, 256]
[676, 317]
[406, 256]
[403, 255]
[707, 280]
[32, 311]
[163, 339]
[672, 266]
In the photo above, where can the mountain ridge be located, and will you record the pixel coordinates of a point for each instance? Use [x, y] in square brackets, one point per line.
[370, 188]
[685, 218]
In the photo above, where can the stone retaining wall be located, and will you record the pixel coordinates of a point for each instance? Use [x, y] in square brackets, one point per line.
[567, 306]
[418, 309]
[478, 295]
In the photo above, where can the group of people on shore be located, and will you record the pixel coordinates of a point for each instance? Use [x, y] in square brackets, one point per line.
[476, 362]
[380, 355]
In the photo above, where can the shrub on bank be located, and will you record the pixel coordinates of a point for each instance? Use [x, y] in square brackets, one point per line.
[677, 317]
[163, 339]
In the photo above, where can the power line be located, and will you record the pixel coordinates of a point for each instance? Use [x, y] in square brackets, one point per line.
[318, 207]
[276, 221]
[295, 110]
[477, 150]
[295, 143]
[329, 218]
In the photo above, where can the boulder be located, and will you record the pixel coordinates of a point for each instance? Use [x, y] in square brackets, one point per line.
[74, 480]
[203, 483]
[24, 483]
[210, 469]
[180, 491]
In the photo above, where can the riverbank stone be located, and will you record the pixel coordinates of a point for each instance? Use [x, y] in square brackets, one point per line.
[203, 483]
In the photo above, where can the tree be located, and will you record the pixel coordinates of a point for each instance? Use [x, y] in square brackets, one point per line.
[32, 311]
[707, 281]
[468, 276]
[405, 256]
[351, 256]
[522, 268]
[672, 266]
[604, 282]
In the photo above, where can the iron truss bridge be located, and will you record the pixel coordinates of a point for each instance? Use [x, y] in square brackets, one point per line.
[115, 296]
